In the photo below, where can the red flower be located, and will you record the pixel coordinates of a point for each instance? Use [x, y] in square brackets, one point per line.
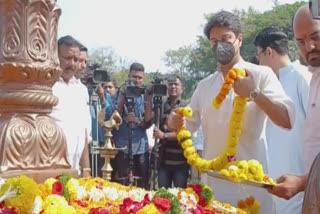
[57, 188]
[94, 211]
[196, 187]
[8, 211]
[202, 201]
[162, 204]
[81, 203]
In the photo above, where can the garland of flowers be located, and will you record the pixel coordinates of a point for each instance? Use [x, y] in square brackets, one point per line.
[226, 162]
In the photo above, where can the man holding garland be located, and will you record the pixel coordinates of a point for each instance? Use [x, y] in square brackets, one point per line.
[266, 99]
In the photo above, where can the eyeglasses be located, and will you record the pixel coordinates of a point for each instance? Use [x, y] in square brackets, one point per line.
[314, 39]
[258, 54]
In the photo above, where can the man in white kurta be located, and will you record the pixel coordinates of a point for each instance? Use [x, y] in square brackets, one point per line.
[285, 146]
[68, 115]
[267, 98]
[215, 125]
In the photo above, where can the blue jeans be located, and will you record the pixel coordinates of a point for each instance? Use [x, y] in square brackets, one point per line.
[176, 174]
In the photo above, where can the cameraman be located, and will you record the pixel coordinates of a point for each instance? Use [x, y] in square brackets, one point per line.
[141, 121]
[173, 165]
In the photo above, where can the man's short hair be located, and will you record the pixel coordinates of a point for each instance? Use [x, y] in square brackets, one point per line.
[82, 47]
[223, 19]
[136, 67]
[274, 38]
[68, 41]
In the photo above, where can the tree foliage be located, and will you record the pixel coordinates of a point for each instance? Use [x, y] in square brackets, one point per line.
[195, 62]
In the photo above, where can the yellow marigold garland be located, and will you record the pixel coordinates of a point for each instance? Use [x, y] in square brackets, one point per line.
[228, 81]
[225, 162]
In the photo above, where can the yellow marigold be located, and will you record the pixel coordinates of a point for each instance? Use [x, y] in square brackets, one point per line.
[26, 192]
[189, 151]
[149, 209]
[187, 143]
[232, 141]
[240, 72]
[234, 132]
[183, 134]
[231, 151]
[48, 184]
[216, 104]
[55, 204]
[72, 186]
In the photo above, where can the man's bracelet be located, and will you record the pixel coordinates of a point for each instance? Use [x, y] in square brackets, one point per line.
[86, 169]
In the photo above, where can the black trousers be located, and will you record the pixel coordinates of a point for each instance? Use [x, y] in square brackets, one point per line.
[140, 168]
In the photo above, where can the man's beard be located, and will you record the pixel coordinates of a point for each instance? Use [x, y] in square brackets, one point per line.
[314, 61]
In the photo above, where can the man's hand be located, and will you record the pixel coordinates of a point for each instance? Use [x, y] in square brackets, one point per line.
[244, 85]
[175, 121]
[132, 118]
[100, 91]
[157, 133]
[288, 186]
[86, 174]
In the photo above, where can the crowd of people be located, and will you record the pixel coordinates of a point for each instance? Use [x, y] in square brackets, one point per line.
[280, 127]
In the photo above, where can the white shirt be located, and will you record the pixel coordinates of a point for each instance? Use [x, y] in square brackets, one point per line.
[215, 124]
[69, 116]
[285, 146]
[84, 103]
[311, 135]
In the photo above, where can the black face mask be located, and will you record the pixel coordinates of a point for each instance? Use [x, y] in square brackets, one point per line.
[223, 52]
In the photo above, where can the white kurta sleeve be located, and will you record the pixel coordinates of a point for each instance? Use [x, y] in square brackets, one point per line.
[193, 123]
[271, 87]
[303, 90]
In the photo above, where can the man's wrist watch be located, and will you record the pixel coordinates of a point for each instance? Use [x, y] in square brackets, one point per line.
[253, 94]
[166, 136]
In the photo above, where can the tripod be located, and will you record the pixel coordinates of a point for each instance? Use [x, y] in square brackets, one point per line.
[158, 112]
[95, 102]
[131, 179]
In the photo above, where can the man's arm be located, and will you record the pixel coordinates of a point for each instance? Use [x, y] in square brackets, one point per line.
[276, 111]
[273, 108]
[148, 109]
[289, 185]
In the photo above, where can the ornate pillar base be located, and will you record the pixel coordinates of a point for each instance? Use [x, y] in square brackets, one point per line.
[40, 175]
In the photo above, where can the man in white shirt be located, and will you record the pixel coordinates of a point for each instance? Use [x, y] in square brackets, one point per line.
[68, 111]
[307, 36]
[267, 99]
[284, 146]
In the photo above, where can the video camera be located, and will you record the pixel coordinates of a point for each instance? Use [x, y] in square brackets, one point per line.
[133, 91]
[158, 89]
[95, 76]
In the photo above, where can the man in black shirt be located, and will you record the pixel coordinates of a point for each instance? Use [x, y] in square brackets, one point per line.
[173, 166]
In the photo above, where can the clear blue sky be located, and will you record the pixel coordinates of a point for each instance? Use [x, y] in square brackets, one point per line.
[143, 30]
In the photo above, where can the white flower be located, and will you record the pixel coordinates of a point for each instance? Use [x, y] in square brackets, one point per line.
[174, 191]
[219, 207]
[233, 168]
[37, 206]
[82, 192]
[111, 193]
[9, 194]
[137, 194]
[2, 181]
[96, 194]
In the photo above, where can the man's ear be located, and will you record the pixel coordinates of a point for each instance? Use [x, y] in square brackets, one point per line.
[240, 38]
[269, 51]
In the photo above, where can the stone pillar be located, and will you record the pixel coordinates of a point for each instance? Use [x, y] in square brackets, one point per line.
[30, 141]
